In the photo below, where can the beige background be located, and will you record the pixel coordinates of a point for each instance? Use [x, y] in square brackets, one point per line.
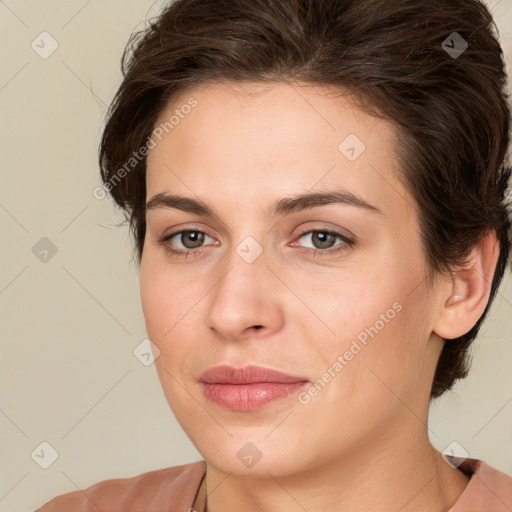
[70, 324]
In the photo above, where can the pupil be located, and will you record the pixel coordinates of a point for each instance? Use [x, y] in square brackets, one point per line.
[325, 238]
[194, 237]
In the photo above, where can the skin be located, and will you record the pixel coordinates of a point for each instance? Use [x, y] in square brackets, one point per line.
[362, 442]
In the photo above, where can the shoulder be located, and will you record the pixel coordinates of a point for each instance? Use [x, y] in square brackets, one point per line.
[489, 490]
[154, 490]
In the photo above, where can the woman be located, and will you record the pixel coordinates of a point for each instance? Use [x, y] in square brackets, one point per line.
[317, 191]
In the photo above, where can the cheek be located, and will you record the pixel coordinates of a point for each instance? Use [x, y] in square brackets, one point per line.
[154, 305]
[171, 307]
[166, 321]
[392, 359]
[159, 300]
[356, 308]
[380, 335]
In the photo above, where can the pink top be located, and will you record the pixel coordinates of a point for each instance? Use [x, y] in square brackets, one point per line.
[174, 489]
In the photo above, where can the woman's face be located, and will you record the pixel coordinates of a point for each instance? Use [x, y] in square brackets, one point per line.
[353, 318]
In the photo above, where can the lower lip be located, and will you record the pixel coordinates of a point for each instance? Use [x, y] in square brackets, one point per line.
[249, 397]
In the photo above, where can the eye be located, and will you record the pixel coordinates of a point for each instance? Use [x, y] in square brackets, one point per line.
[323, 240]
[191, 241]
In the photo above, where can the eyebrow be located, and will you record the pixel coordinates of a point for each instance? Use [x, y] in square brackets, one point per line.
[281, 207]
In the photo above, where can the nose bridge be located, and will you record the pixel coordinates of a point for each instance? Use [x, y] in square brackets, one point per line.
[245, 293]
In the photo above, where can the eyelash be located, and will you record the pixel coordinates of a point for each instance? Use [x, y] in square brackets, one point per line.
[347, 243]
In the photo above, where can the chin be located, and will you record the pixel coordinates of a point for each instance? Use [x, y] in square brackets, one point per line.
[252, 455]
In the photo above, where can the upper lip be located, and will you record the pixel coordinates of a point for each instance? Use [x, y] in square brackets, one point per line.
[248, 374]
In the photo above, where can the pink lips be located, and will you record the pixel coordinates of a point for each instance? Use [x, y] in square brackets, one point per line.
[248, 388]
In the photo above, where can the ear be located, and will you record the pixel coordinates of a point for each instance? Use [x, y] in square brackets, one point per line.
[465, 297]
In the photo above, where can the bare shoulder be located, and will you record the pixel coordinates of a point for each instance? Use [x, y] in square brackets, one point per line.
[151, 489]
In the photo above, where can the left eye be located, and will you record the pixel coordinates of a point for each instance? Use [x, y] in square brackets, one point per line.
[324, 239]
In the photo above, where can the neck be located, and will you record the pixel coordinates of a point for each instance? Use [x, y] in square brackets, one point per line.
[407, 475]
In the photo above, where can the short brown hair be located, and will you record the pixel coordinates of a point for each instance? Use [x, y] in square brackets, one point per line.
[450, 110]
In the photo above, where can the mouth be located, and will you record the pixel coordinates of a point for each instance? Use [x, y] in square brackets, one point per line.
[248, 388]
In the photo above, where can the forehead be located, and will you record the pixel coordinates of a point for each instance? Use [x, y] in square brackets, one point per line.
[272, 119]
[272, 140]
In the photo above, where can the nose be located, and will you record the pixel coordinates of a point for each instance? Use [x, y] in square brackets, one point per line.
[247, 300]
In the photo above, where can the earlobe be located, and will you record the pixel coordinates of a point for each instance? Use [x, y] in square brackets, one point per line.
[466, 296]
